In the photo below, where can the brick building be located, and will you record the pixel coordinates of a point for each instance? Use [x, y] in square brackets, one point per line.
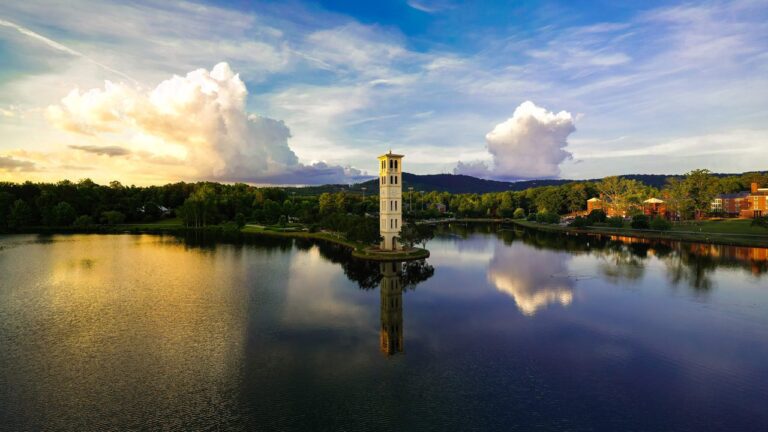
[751, 204]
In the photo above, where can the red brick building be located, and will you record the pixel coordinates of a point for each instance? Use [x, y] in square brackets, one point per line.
[730, 204]
[750, 204]
[757, 203]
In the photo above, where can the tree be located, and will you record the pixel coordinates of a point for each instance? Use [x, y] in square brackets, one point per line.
[327, 203]
[6, 201]
[409, 235]
[83, 221]
[702, 188]
[112, 217]
[519, 213]
[20, 215]
[677, 197]
[363, 229]
[576, 197]
[618, 192]
[64, 214]
[550, 200]
[596, 216]
[424, 233]
[240, 220]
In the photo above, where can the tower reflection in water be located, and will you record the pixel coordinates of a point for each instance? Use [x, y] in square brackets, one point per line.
[391, 288]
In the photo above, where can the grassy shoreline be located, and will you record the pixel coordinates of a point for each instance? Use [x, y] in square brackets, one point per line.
[722, 238]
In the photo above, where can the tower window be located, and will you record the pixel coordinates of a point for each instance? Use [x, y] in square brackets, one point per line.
[390, 163]
[395, 179]
[383, 165]
[395, 164]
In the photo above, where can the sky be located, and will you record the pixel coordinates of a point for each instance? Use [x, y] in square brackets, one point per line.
[292, 92]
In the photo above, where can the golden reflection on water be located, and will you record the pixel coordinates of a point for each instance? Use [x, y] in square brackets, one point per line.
[118, 307]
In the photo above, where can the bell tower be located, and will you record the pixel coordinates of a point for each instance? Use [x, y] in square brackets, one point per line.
[391, 197]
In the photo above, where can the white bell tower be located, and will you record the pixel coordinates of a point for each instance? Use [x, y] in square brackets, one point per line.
[391, 197]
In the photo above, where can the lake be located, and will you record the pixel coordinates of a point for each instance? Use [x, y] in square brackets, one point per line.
[500, 329]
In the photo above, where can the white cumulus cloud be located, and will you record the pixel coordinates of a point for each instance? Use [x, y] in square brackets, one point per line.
[530, 144]
[199, 119]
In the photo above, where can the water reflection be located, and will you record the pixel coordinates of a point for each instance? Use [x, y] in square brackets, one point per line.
[535, 278]
[391, 334]
[623, 259]
[510, 330]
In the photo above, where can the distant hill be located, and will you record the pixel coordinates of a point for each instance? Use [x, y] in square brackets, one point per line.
[458, 183]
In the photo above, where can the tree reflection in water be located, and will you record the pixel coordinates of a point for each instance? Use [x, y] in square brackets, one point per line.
[625, 258]
[392, 279]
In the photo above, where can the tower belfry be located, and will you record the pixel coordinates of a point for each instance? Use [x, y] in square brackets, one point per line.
[391, 197]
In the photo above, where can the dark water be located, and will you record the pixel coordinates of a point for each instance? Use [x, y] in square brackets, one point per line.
[498, 330]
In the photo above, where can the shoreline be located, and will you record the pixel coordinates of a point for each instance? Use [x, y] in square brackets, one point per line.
[358, 250]
[725, 239]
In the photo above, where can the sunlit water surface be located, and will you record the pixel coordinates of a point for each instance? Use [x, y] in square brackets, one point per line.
[498, 330]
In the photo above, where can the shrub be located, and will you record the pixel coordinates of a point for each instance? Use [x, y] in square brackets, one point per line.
[506, 213]
[519, 213]
[640, 222]
[615, 221]
[112, 217]
[83, 221]
[230, 227]
[596, 216]
[547, 217]
[531, 217]
[579, 222]
[661, 224]
[240, 220]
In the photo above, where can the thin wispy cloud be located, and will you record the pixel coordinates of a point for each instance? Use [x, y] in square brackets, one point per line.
[60, 47]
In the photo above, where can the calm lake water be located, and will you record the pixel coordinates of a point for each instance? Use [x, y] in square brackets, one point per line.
[498, 330]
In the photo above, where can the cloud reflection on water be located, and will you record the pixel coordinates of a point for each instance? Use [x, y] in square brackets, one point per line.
[534, 278]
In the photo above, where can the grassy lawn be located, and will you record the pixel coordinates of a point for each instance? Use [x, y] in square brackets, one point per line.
[729, 232]
[724, 226]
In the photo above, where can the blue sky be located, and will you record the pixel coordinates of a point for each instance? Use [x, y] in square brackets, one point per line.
[311, 92]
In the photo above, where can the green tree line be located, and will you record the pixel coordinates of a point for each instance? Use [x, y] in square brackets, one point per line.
[25, 205]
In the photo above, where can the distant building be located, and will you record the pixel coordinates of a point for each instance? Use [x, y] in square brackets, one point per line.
[730, 204]
[655, 207]
[599, 204]
[440, 207]
[595, 204]
[390, 195]
[757, 203]
[744, 204]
